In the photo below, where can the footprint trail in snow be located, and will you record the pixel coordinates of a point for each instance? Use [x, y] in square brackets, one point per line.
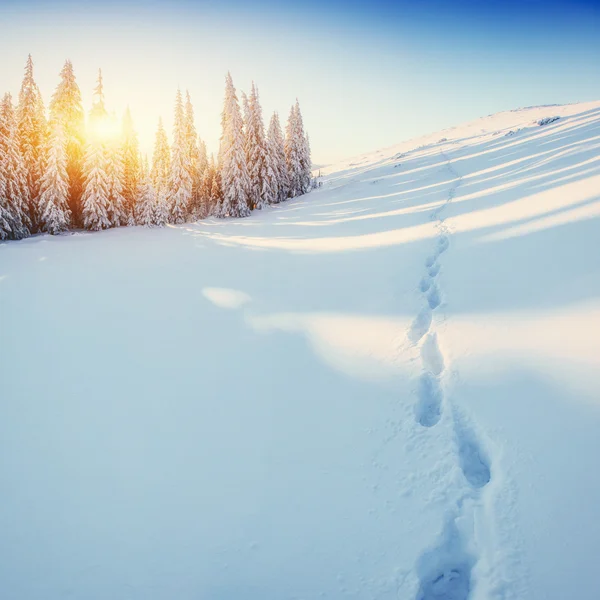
[444, 571]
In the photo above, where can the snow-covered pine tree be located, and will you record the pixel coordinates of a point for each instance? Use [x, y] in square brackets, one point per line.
[260, 193]
[115, 169]
[234, 180]
[132, 166]
[270, 190]
[14, 193]
[277, 154]
[96, 189]
[5, 219]
[146, 202]
[202, 203]
[216, 191]
[53, 198]
[206, 207]
[245, 113]
[65, 106]
[292, 155]
[180, 181]
[160, 174]
[202, 155]
[196, 161]
[304, 145]
[98, 185]
[297, 153]
[32, 137]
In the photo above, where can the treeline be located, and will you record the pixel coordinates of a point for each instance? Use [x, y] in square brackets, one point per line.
[58, 172]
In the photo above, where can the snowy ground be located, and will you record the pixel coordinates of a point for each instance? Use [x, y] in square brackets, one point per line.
[387, 389]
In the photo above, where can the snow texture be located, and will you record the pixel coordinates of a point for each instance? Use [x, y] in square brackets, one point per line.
[387, 388]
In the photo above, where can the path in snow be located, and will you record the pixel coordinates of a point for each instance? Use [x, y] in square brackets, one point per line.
[445, 571]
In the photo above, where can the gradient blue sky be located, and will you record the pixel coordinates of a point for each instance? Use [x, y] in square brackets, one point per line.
[367, 74]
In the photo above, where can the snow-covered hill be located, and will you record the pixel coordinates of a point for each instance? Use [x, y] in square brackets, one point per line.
[387, 389]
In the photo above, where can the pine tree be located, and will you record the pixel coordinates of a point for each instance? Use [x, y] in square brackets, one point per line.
[98, 186]
[234, 178]
[196, 158]
[65, 106]
[245, 114]
[216, 192]
[202, 155]
[53, 200]
[132, 167]
[205, 205]
[180, 182]
[201, 198]
[32, 137]
[5, 217]
[304, 151]
[161, 159]
[260, 193]
[292, 155]
[276, 154]
[96, 189]
[14, 197]
[115, 171]
[159, 176]
[146, 203]
[270, 190]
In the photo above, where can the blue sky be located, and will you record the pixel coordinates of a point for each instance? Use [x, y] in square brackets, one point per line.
[367, 74]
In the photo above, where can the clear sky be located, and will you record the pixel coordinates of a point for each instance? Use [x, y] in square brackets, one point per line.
[367, 74]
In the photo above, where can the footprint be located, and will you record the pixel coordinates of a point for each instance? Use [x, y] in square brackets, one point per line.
[432, 358]
[445, 571]
[434, 269]
[433, 297]
[425, 284]
[473, 460]
[443, 244]
[431, 260]
[420, 326]
[430, 397]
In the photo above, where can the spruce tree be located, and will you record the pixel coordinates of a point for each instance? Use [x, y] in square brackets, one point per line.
[14, 197]
[260, 193]
[5, 218]
[115, 171]
[201, 201]
[270, 189]
[292, 155]
[180, 181]
[160, 175]
[245, 114]
[132, 167]
[276, 152]
[161, 159]
[304, 152]
[96, 189]
[196, 159]
[205, 206]
[53, 199]
[65, 106]
[216, 192]
[146, 203]
[234, 180]
[32, 137]
[99, 178]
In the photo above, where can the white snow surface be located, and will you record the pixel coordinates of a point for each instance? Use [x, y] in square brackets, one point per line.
[386, 389]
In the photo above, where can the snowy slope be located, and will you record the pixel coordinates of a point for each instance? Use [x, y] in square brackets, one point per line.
[385, 389]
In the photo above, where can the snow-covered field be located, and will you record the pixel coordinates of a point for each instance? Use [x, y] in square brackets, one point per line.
[386, 389]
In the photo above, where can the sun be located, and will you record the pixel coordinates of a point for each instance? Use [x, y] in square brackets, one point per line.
[104, 130]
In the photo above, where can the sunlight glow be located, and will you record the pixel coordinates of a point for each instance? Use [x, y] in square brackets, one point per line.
[105, 130]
